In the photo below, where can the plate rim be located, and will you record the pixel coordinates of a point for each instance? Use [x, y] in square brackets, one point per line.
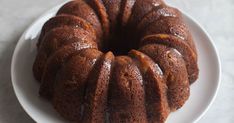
[211, 41]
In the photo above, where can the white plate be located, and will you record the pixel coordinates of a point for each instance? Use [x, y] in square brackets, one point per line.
[26, 87]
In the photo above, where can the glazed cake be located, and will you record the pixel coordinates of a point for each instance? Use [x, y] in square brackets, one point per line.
[120, 61]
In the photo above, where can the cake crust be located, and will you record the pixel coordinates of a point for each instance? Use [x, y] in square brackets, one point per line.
[55, 63]
[126, 95]
[81, 9]
[121, 61]
[55, 39]
[64, 20]
[174, 72]
[95, 105]
[71, 83]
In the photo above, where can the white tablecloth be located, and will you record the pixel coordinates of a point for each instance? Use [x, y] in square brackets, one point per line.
[216, 16]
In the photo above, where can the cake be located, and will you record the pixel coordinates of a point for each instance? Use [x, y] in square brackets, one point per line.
[116, 61]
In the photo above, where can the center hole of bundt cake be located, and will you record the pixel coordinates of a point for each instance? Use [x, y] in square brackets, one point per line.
[120, 43]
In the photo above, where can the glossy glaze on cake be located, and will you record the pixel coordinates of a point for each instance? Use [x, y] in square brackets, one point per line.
[55, 63]
[71, 81]
[81, 9]
[96, 94]
[130, 61]
[126, 95]
[53, 40]
[65, 20]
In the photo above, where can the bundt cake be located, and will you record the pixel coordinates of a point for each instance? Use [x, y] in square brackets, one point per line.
[120, 61]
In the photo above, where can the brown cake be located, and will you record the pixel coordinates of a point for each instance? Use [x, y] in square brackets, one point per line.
[126, 95]
[95, 105]
[121, 61]
[113, 9]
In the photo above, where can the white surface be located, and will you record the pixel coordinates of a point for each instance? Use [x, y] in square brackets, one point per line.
[26, 87]
[216, 16]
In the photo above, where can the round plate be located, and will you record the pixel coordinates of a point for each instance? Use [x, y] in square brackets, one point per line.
[203, 91]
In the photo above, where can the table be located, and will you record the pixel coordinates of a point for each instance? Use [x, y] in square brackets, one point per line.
[216, 16]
